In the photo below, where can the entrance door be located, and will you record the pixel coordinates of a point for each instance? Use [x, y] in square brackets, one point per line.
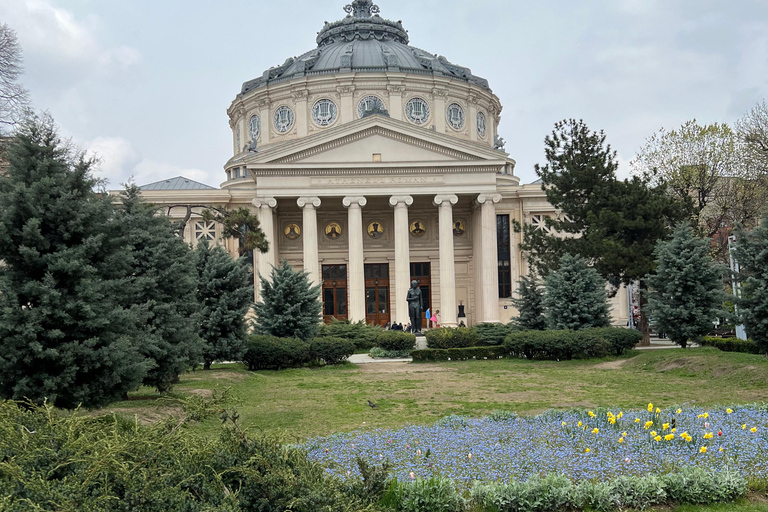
[377, 294]
[421, 273]
[334, 292]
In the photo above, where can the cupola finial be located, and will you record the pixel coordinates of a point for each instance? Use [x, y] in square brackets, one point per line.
[362, 9]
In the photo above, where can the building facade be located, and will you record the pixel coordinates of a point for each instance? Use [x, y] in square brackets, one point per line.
[372, 163]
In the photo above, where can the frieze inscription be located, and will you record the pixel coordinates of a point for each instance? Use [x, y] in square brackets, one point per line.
[415, 180]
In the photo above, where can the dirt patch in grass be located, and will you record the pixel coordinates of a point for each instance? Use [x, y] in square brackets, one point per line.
[216, 375]
[404, 368]
[205, 393]
[611, 365]
[149, 415]
[693, 364]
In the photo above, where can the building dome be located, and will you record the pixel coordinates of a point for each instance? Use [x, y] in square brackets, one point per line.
[364, 42]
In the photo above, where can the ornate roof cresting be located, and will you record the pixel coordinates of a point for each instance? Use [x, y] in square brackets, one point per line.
[362, 9]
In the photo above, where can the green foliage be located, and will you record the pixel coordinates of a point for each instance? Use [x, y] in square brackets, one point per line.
[529, 304]
[575, 297]
[731, 345]
[331, 350]
[161, 287]
[378, 352]
[66, 335]
[752, 254]
[396, 340]
[364, 336]
[458, 354]
[557, 345]
[290, 306]
[448, 337]
[619, 338]
[491, 334]
[240, 224]
[373, 483]
[225, 292]
[55, 461]
[437, 494]
[686, 289]
[264, 352]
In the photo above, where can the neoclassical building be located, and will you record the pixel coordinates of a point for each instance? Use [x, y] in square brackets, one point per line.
[372, 163]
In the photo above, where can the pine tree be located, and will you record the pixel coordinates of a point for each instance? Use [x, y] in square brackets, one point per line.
[686, 289]
[575, 296]
[752, 255]
[290, 306]
[530, 305]
[161, 287]
[224, 292]
[65, 336]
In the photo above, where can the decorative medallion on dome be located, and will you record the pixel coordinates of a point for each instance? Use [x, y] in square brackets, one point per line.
[417, 110]
[255, 127]
[324, 113]
[371, 105]
[283, 119]
[362, 9]
[481, 124]
[455, 116]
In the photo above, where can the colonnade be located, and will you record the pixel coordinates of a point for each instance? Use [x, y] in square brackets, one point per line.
[486, 306]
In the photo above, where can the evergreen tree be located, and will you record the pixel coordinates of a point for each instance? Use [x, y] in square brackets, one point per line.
[530, 305]
[686, 290]
[65, 336]
[290, 306]
[161, 288]
[575, 296]
[752, 255]
[224, 292]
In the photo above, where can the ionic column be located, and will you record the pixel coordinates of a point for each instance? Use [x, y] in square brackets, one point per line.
[402, 256]
[447, 265]
[266, 260]
[356, 268]
[489, 262]
[309, 206]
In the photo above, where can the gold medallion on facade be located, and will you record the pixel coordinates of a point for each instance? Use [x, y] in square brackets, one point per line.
[375, 230]
[459, 228]
[333, 230]
[292, 231]
[418, 228]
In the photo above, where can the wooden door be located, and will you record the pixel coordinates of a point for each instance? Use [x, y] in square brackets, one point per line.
[377, 294]
[334, 292]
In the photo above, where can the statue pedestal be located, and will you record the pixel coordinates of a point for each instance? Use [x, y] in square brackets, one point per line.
[421, 342]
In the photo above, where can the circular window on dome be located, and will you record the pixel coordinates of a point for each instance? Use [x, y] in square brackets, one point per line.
[370, 104]
[481, 124]
[324, 113]
[417, 110]
[283, 119]
[255, 127]
[455, 116]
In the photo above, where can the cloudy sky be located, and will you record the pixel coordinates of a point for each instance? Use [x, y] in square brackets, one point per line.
[146, 83]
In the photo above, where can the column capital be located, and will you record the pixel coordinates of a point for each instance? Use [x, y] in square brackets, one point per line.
[354, 201]
[270, 202]
[450, 199]
[396, 200]
[488, 198]
[309, 202]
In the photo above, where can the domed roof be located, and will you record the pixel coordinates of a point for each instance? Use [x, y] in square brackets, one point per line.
[364, 42]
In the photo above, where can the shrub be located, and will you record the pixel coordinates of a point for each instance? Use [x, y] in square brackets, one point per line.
[396, 340]
[458, 354]
[434, 495]
[380, 352]
[732, 345]
[619, 338]
[362, 335]
[491, 334]
[331, 350]
[446, 337]
[559, 345]
[272, 353]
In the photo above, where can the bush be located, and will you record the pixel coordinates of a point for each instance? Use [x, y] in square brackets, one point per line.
[619, 338]
[377, 352]
[362, 335]
[434, 495]
[731, 345]
[272, 353]
[491, 334]
[396, 340]
[458, 354]
[559, 345]
[446, 337]
[331, 350]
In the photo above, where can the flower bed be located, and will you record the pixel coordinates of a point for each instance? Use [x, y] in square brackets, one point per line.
[597, 445]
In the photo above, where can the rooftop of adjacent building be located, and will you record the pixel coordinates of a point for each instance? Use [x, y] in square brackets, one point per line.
[177, 183]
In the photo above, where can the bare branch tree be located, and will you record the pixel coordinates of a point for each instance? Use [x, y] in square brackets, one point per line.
[753, 129]
[14, 98]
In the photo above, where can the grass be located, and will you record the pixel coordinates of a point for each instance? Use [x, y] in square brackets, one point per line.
[310, 402]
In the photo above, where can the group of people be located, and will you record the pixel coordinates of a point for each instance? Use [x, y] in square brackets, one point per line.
[432, 321]
[398, 327]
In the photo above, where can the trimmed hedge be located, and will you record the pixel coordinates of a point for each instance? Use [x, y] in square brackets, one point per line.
[331, 350]
[396, 340]
[620, 339]
[265, 352]
[362, 335]
[459, 354]
[564, 345]
[446, 337]
[491, 334]
[732, 345]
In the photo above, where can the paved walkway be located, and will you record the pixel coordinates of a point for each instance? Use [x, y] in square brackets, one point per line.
[656, 344]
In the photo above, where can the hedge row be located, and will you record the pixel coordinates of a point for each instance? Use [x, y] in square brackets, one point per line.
[565, 345]
[273, 353]
[362, 335]
[732, 345]
[459, 354]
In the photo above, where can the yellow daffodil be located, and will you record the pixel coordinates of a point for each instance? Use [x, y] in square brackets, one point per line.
[637, 420]
[744, 427]
[595, 430]
[620, 415]
[591, 414]
[621, 439]
[658, 411]
[612, 421]
[673, 430]
[587, 450]
[650, 407]
[700, 416]
[706, 415]
[679, 411]
[648, 424]
[721, 449]
[563, 423]
[669, 437]
[579, 423]
[665, 426]
[729, 411]
[657, 438]
[753, 429]
[623, 434]
[708, 435]
[703, 449]
[653, 433]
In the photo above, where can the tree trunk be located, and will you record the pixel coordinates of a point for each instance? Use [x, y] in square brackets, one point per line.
[645, 327]
[206, 365]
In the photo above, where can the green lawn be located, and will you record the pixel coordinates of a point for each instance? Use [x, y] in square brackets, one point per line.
[321, 401]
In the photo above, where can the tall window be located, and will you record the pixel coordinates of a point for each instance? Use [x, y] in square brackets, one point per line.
[504, 255]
